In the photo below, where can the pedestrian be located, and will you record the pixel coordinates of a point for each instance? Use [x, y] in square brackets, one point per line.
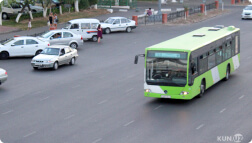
[55, 22]
[29, 24]
[149, 12]
[50, 19]
[99, 33]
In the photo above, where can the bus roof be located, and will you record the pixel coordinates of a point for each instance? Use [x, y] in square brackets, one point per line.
[195, 39]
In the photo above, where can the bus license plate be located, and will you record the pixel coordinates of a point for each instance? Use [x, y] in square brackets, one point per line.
[165, 96]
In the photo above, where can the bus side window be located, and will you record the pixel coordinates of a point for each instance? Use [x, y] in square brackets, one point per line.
[194, 66]
[219, 55]
[203, 63]
[211, 59]
[236, 45]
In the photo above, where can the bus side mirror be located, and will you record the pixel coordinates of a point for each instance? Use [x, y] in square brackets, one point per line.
[136, 57]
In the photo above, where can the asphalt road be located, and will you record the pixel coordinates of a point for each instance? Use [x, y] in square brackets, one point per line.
[100, 99]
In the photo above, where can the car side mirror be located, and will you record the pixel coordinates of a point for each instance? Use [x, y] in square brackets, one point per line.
[61, 54]
[12, 44]
[114, 23]
[51, 38]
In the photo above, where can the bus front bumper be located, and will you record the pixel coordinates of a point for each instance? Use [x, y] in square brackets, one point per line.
[158, 95]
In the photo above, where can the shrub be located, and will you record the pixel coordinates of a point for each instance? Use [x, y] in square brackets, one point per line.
[83, 4]
[93, 2]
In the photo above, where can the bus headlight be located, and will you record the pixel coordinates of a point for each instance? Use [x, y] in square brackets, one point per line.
[147, 90]
[184, 93]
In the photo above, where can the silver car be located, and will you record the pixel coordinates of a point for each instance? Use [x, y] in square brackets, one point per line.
[53, 56]
[3, 76]
[62, 37]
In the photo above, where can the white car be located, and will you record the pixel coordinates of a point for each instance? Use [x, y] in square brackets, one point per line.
[22, 46]
[247, 12]
[113, 24]
[53, 56]
[35, 8]
[62, 37]
[3, 76]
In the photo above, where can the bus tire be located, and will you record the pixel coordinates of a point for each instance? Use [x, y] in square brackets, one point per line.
[227, 73]
[202, 88]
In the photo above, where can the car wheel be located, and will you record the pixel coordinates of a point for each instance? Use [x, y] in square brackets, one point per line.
[72, 62]
[107, 31]
[74, 45]
[202, 89]
[34, 11]
[128, 29]
[94, 38]
[4, 16]
[55, 66]
[38, 52]
[35, 68]
[4, 55]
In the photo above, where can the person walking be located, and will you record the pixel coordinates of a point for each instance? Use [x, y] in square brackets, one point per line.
[29, 24]
[51, 19]
[55, 22]
[99, 33]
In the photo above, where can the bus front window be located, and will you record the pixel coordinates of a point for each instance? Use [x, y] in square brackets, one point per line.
[166, 68]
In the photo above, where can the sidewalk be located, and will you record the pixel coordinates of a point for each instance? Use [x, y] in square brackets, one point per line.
[6, 29]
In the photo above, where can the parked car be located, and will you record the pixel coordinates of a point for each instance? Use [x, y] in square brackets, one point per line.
[35, 8]
[62, 37]
[22, 46]
[9, 9]
[113, 24]
[247, 12]
[3, 76]
[86, 27]
[53, 56]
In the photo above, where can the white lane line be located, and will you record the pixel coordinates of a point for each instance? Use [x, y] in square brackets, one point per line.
[129, 123]
[157, 107]
[44, 98]
[241, 97]
[96, 141]
[76, 86]
[7, 112]
[200, 126]
[38, 92]
[129, 89]
[102, 101]
[29, 134]
[222, 110]
[68, 117]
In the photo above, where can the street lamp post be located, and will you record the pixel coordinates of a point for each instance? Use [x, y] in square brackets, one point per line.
[159, 7]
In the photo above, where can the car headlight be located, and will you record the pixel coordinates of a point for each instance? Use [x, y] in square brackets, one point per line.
[33, 61]
[147, 90]
[184, 93]
[48, 61]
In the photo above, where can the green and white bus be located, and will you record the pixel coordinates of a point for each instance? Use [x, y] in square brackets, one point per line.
[185, 66]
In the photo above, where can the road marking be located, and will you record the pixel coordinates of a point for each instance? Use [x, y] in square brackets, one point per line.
[29, 134]
[102, 101]
[45, 98]
[7, 112]
[68, 117]
[129, 123]
[222, 110]
[38, 92]
[129, 89]
[241, 97]
[157, 107]
[96, 141]
[200, 126]
[76, 86]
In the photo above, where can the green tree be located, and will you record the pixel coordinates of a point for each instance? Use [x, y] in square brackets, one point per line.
[84, 4]
[92, 2]
[45, 4]
[1, 5]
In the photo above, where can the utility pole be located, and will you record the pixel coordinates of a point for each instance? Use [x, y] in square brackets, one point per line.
[159, 7]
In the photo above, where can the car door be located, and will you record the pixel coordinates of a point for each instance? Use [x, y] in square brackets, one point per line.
[68, 54]
[56, 39]
[62, 57]
[31, 46]
[75, 28]
[17, 48]
[124, 24]
[116, 25]
[67, 37]
[85, 30]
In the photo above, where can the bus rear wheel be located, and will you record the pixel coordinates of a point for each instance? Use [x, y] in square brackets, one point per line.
[227, 73]
[202, 89]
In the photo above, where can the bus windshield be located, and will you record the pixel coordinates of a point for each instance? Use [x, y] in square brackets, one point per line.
[166, 68]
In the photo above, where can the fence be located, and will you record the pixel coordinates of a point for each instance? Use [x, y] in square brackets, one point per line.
[194, 10]
[153, 19]
[110, 3]
[174, 15]
[210, 6]
[33, 35]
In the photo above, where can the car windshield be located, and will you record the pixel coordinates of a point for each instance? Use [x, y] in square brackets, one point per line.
[68, 24]
[248, 8]
[48, 34]
[166, 68]
[51, 51]
[8, 41]
[109, 21]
